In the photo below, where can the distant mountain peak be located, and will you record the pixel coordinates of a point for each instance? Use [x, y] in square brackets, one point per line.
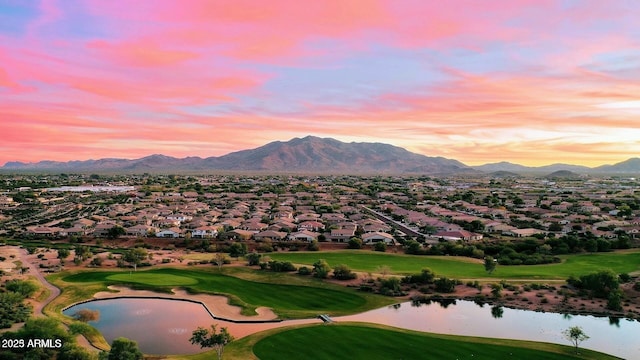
[310, 154]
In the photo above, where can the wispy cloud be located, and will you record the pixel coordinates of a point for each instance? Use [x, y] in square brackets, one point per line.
[527, 81]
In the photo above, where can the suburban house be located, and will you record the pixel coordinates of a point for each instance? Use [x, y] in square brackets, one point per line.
[341, 235]
[457, 235]
[102, 229]
[270, 235]
[374, 237]
[304, 235]
[523, 232]
[140, 230]
[239, 234]
[311, 226]
[45, 231]
[204, 232]
[170, 233]
[74, 231]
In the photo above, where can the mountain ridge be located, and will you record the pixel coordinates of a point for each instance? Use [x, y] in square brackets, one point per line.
[313, 154]
[304, 155]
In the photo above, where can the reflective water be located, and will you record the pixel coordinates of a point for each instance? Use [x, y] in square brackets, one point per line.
[159, 326]
[613, 336]
[163, 326]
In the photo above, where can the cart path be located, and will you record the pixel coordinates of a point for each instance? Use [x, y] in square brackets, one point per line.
[34, 271]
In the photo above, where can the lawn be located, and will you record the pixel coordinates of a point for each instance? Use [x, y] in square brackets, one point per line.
[466, 268]
[289, 296]
[364, 341]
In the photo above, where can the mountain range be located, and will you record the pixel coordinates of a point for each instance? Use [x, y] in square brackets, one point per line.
[311, 155]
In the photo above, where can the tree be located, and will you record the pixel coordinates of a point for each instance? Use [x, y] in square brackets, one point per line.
[124, 349]
[63, 253]
[614, 301]
[82, 252]
[490, 264]
[115, 232]
[219, 259]
[575, 335]
[321, 269]
[253, 258]
[135, 256]
[212, 338]
[237, 249]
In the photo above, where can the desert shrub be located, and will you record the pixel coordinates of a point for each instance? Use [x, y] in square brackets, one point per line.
[343, 272]
[445, 285]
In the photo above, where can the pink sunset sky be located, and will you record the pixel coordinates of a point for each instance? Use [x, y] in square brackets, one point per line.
[531, 82]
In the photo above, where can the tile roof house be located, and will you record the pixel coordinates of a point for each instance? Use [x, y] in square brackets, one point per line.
[270, 235]
[304, 235]
[458, 235]
[374, 237]
[170, 233]
[341, 235]
[204, 232]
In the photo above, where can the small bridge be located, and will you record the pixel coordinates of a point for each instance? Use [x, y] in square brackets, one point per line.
[325, 318]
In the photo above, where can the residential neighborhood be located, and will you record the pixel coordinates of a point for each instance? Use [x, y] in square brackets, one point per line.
[331, 209]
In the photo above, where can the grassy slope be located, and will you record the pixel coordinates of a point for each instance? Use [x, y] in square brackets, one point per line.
[466, 268]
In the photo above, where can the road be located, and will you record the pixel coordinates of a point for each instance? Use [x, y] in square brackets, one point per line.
[400, 226]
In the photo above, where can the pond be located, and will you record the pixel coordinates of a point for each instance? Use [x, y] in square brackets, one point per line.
[613, 336]
[164, 326]
[160, 326]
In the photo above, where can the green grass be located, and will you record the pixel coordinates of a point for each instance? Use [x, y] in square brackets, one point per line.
[288, 295]
[466, 268]
[153, 279]
[364, 341]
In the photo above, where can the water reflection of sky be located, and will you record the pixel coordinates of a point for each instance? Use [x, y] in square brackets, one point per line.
[162, 326]
[159, 327]
[467, 318]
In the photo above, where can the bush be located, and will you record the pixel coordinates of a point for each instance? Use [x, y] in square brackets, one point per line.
[321, 269]
[343, 272]
[253, 258]
[425, 277]
[380, 246]
[624, 278]
[24, 288]
[303, 270]
[313, 246]
[355, 243]
[390, 287]
[445, 285]
[281, 266]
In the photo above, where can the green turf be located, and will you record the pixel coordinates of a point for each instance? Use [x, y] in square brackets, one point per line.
[153, 279]
[359, 341]
[461, 267]
[287, 300]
